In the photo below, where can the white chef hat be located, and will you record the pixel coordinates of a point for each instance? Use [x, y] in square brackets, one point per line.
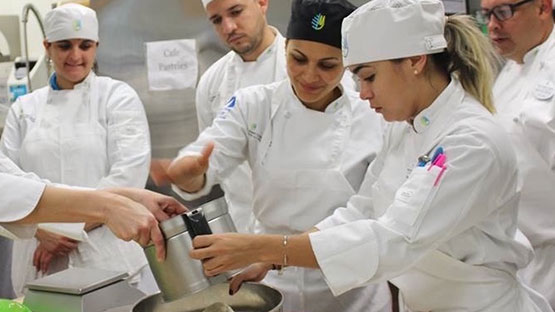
[205, 2]
[71, 21]
[391, 29]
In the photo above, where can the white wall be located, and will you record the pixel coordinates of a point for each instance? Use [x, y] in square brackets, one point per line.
[34, 34]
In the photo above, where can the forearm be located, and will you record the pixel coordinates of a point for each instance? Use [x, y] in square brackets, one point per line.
[130, 193]
[66, 205]
[296, 252]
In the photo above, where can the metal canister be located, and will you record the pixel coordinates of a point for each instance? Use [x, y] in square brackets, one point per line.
[179, 275]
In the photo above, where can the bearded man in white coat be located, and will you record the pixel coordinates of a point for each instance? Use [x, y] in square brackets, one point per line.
[522, 32]
[257, 56]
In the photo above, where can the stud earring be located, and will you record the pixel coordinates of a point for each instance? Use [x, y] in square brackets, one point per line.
[416, 72]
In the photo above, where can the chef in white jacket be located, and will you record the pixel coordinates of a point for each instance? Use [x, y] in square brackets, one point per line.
[257, 56]
[308, 141]
[80, 130]
[129, 213]
[524, 95]
[437, 212]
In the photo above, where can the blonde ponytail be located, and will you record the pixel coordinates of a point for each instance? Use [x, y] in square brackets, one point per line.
[470, 57]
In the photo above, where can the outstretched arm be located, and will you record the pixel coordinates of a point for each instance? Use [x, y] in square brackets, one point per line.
[224, 252]
[127, 218]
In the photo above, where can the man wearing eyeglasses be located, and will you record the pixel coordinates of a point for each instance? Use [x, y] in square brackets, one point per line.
[524, 94]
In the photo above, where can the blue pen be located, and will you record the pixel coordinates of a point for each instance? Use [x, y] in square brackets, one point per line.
[438, 152]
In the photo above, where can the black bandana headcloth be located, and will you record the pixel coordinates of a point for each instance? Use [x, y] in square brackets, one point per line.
[318, 20]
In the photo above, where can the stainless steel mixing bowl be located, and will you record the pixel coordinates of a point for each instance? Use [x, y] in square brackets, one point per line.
[252, 297]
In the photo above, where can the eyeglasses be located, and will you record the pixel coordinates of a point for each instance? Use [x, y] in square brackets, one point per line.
[502, 12]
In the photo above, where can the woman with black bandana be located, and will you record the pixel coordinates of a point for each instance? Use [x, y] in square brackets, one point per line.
[308, 141]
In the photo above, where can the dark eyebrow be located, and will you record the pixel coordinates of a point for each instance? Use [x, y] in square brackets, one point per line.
[333, 58]
[320, 60]
[211, 18]
[234, 7]
[299, 51]
[358, 68]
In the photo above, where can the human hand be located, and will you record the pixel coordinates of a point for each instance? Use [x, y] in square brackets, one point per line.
[130, 220]
[163, 207]
[159, 171]
[224, 252]
[54, 243]
[42, 258]
[188, 172]
[253, 273]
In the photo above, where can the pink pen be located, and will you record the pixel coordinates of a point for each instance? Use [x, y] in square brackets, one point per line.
[439, 175]
[439, 159]
[440, 162]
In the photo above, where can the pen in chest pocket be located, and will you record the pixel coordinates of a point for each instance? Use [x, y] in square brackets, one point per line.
[441, 163]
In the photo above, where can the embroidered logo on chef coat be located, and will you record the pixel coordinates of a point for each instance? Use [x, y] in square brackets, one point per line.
[345, 46]
[25, 116]
[251, 131]
[227, 108]
[231, 102]
[424, 121]
[318, 21]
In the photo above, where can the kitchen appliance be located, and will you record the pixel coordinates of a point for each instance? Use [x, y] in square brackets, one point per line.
[80, 290]
[252, 297]
[18, 81]
[179, 275]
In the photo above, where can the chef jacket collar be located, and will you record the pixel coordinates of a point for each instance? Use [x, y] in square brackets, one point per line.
[83, 84]
[531, 55]
[432, 114]
[332, 108]
[54, 83]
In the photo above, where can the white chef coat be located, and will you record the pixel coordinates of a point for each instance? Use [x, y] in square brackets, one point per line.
[95, 135]
[215, 88]
[304, 164]
[524, 96]
[20, 196]
[448, 247]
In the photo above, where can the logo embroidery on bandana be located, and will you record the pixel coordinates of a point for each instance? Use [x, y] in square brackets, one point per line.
[77, 25]
[318, 21]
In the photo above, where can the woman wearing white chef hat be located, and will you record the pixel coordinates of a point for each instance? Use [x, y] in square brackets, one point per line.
[81, 130]
[437, 212]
